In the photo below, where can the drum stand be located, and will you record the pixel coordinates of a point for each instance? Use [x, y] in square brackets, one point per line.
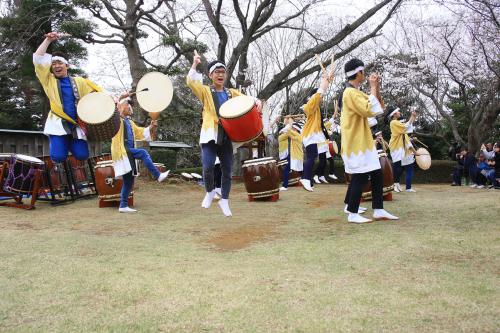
[71, 190]
[18, 198]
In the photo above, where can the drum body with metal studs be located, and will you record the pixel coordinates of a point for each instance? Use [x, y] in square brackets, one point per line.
[98, 113]
[108, 187]
[241, 119]
[21, 174]
[261, 176]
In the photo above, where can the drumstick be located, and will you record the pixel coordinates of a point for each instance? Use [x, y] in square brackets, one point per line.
[60, 35]
[332, 64]
[320, 63]
[135, 92]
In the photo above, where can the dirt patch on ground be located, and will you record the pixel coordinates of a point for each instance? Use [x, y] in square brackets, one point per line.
[241, 237]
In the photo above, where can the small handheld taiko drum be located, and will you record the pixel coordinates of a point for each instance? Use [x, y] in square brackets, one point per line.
[21, 174]
[423, 158]
[241, 119]
[334, 149]
[154, 92]
[98, 113]
[261, 176]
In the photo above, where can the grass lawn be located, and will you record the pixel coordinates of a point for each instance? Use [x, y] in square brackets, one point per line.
[295, 265]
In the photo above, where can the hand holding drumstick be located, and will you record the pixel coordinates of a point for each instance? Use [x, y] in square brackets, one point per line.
[196, 60]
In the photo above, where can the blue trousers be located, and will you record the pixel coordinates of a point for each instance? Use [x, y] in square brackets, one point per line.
[311, 154]
[60, 145]
[209, 151]
[286, 172]
[398, 171]
[143, 155]
[128, 183]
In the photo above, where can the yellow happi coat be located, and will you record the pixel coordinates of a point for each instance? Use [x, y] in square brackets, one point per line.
[296, 152]
[311, 133]
[209, 126]
[121, 162]
[400, 143]
[357, 148]
[50, 84]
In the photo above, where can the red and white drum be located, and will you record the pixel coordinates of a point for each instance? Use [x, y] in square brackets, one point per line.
[241, 119]
[334, 149]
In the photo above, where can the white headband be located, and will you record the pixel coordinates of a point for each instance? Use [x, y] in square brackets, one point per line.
[393, 112]
[61, 59]
[354, 71]
[215, 66]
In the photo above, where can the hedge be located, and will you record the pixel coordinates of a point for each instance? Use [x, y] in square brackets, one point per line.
[165, 156]
[439, 172]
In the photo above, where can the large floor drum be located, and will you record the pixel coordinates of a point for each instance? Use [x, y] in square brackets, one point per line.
[262, 177]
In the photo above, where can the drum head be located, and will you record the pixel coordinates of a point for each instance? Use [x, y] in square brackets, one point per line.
[154, 92]
[95, 108]
[335, 147]
[423, 158]
[186, 175]
[237, 106]
[27, 158]
[103, 164]
[196, 176]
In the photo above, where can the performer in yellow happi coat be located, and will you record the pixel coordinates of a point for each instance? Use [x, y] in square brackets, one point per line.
[290, 149]
[312, 133]
[357, 148]
[213, 140]
[124, 153]
[401, 148]
[63, 92]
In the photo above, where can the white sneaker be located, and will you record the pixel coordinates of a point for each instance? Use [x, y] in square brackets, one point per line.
[163, 176]
[356, 218]
[127, 210]
[207, 201]
[307, 185]
[361, 210]
[473, 185]
[218, 191]
[411, 190]
[332, 176]
[316, 179]
[382, 214]
[224, 205]
[323, 180]
[282, 188]
[480, 186]
[397, 188]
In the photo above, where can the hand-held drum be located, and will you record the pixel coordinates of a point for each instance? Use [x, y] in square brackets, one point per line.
[261, 176]
[21, 174]
[334, 149]
[154, 92]
[423, 158]
[108, 187]
[98, 113]
[241, 119]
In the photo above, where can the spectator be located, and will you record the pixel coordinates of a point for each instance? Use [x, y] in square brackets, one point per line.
[496, 179]
[480, 171]
[488, 151]
[465, 162]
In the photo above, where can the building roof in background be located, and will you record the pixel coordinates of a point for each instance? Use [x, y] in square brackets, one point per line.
[168, 144]
[20, 131]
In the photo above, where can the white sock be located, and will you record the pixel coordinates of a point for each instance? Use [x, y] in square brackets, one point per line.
[207, 201]
[224, 205]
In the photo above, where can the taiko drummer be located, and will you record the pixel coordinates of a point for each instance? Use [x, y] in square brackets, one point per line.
[63, 92]
[213, 140]
[124, 153]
